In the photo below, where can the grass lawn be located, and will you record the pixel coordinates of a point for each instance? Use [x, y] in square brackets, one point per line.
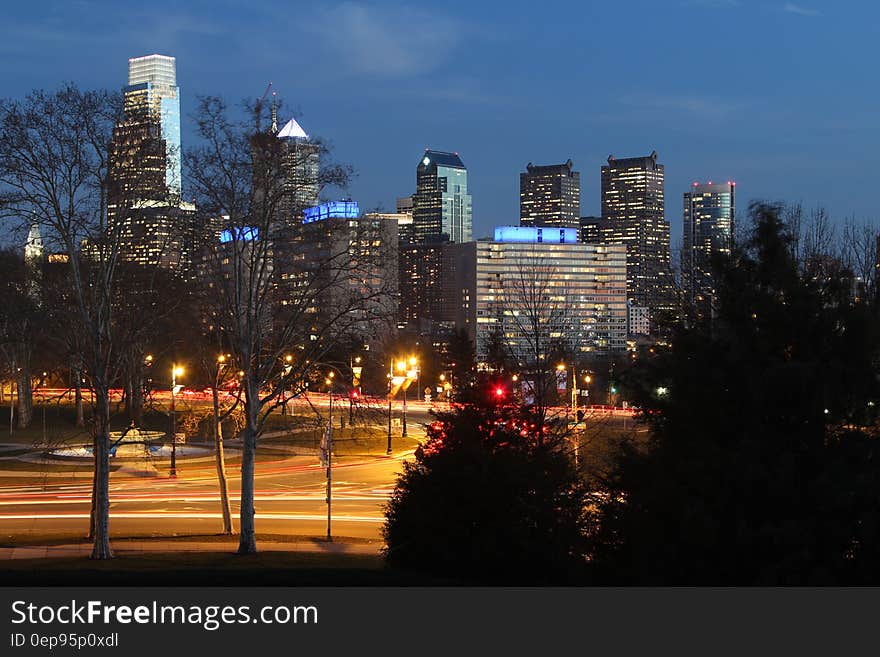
[220, 567]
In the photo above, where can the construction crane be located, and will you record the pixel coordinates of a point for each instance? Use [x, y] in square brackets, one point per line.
[258, 109]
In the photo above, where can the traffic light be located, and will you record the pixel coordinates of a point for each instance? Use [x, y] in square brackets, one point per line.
[354, 395]
[500, 392]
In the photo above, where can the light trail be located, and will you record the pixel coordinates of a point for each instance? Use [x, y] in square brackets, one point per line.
[193, 516]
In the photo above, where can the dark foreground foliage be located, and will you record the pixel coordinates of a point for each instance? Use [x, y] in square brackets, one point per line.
[764, 466]
[489, 499]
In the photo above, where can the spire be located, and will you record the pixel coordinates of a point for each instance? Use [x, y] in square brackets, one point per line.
[292, 129]
[274, 113]
[33, 248]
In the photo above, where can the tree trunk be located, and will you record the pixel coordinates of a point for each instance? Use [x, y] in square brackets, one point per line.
[247, 543]
[101, 548]
[78, 395]
[135, 397]
[221, 465]
[25, 398]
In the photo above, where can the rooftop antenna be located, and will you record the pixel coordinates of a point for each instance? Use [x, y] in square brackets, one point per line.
[258, 106]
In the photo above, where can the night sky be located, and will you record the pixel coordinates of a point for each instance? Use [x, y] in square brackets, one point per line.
[780, 96]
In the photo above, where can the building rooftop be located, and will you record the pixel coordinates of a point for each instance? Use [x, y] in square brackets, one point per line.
[442, 158]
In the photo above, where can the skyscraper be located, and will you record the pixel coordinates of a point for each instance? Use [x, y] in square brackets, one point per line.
[550, 195]
[150, 133]
[442, 206]
[633, 214]
[301, 163]
[708, 230]
[145, 211]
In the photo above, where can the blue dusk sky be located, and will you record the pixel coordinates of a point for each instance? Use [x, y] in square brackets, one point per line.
[780, 96]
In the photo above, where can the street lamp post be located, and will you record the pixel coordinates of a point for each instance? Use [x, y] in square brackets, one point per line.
[328, 451]
[175, 372]
[285, 372]
[390, 384]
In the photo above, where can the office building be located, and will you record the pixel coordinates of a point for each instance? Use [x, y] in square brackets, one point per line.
[405, 205]
[342, 270]
[590, 232]
[146, 150]
[708, 230]
[421, 277]
[538, 287]
[301, 170]
[550, 196]
[442, 204]
[146, 216]
[633, 214]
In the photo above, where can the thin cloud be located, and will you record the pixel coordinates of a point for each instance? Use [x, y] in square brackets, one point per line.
[393, 43]
[792, 8]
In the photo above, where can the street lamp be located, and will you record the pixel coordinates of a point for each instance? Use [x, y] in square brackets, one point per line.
[175, 372]
[390, 388]
[356, 369]
[401, 366]
[288, 359]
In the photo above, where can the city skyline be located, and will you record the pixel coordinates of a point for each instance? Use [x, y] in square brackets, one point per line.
[706, 130]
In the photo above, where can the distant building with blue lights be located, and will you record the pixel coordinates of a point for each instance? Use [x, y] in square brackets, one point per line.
[533, 234]
[536, 287]
[331, 210]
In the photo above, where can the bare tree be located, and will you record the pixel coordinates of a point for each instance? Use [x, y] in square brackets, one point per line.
[860, 254]
[279, 286]
[56, 169]
[536, 327]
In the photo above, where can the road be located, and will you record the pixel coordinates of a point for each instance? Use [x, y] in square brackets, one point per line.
[290, 500]
[146, 501]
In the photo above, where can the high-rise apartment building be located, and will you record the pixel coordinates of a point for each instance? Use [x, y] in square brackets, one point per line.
[708, 229]
[633, 214]
[550, 195]
[153, 226]
[442, 204]
[539, 287]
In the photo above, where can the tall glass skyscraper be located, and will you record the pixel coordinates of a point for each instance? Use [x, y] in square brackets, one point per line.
[708, 230]
[153, 97]
[145, 205]
[442, 206]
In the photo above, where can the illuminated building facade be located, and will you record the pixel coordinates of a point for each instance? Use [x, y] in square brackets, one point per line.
[421, 276]
[344, 266]
[550, 195]
[633, 214]
[442, 204]
[146, 215]
[301, 166]
[708, 229]
[539, 287]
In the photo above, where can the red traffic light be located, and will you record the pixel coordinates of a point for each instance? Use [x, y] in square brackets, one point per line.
[499, 392]
[354, 394]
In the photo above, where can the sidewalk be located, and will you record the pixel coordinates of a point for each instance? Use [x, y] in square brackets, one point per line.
[160, 546]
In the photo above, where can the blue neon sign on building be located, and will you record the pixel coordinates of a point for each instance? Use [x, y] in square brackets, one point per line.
[239, 234]
[532, 234]
[331, 210]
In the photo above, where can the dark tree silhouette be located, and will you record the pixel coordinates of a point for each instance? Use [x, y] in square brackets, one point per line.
[761, 467]
[485, 501]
